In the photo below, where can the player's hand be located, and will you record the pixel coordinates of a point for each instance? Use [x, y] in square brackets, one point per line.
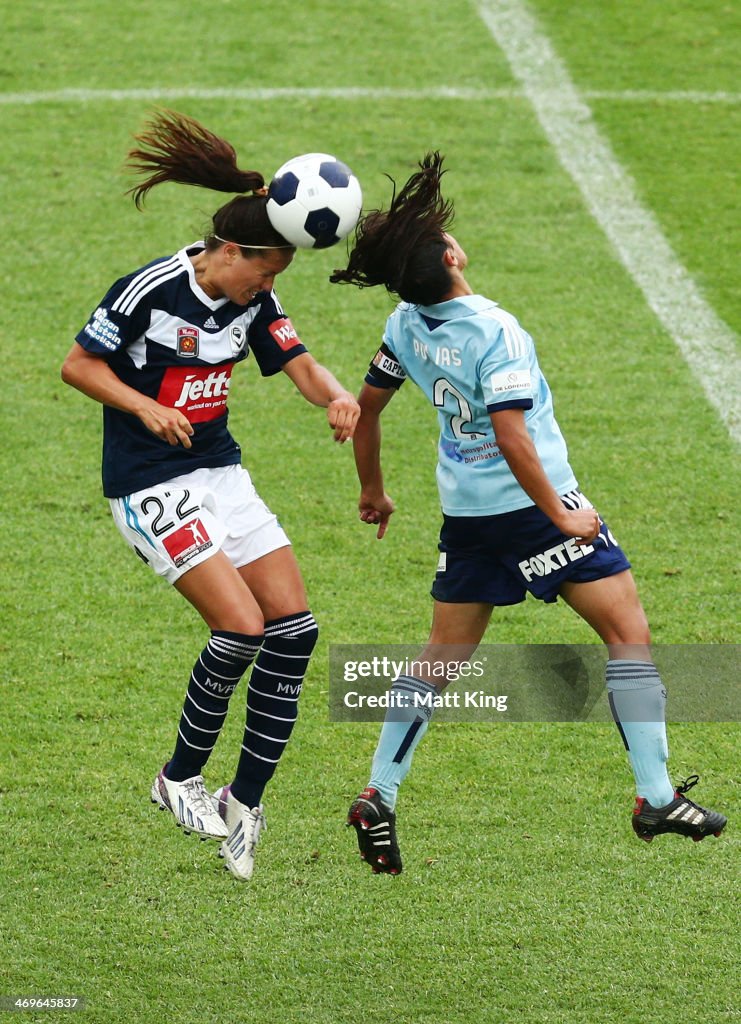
[376, 511]
[168, 424]
[581, 523]
[343, 413]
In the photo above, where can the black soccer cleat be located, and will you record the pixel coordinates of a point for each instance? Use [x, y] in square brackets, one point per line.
[681, 816]
[375, 826]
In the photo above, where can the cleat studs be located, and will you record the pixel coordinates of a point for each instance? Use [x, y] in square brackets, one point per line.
[697, 839]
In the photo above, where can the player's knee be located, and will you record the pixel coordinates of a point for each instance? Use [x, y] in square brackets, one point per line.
[629, 630]
[248, 621]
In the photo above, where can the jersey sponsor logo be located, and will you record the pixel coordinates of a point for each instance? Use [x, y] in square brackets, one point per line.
[200, 393]
[187, 542]
[284, 334]
[514, 380]
[103, 330]
[188, 341]
[555, 558]
[388, 365]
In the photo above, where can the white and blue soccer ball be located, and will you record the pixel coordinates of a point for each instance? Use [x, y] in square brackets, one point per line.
[314, 200]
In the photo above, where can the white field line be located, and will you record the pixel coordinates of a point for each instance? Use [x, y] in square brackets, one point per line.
[707, 344]
[258, 94]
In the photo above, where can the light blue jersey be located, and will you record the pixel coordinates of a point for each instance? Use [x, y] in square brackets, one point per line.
[471, 358]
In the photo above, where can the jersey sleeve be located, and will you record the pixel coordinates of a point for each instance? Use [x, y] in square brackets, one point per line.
[273, 338]
[113, 325]
[385, 370]
[505, 370]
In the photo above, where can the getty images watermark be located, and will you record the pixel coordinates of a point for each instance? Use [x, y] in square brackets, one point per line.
[526, 682]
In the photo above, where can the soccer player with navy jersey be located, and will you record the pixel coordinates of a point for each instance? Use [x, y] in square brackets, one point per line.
[514, 519]
[158, 352]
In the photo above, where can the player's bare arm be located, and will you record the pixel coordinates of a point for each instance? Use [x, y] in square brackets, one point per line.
[517, 447]
[320, 387]
[92, 375]
[374, 505]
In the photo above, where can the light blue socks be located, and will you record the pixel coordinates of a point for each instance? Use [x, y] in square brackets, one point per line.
[637, 701]
[404, 726]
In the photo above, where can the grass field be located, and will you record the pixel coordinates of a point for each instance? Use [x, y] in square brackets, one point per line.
[525, 896]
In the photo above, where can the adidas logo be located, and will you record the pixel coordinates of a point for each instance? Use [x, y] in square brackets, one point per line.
[210, 325]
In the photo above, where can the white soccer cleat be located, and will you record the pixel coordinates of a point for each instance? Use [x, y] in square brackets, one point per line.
[191, 805]
[244, 827]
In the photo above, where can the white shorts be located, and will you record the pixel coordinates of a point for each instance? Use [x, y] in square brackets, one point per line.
[178, 524]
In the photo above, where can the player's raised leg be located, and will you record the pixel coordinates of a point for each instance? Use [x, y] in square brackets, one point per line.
[273, 693]
[225, 603]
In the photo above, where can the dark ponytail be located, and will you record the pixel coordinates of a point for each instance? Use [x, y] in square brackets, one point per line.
[402, 248]
[174, 147]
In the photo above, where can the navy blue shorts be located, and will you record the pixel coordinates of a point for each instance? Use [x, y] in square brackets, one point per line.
[499, 559]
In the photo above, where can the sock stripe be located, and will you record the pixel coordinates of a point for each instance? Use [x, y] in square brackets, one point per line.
[270, 760]
[282, 654]
[199, 728]
[220, 674]
[290, 625]
[265, 714]
[408, 740]
[282, 675]
[191, 746]
[264, 736]
[204, 711]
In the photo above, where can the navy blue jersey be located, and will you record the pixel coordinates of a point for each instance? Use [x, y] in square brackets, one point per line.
[164, 336]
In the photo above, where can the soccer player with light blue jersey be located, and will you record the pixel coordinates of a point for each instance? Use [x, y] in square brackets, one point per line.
[514, 519]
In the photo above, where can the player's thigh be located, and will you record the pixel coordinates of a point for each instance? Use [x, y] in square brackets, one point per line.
[277, 585]
[612, 607]
[221, 597]
[457, 630]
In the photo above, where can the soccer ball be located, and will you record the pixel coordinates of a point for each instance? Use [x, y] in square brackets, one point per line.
[314, 200]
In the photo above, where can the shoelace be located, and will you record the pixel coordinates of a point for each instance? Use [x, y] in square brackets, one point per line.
[687, 784]
[199, 796]
[260, 826]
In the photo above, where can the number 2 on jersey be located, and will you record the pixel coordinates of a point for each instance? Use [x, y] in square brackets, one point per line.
[457, 423]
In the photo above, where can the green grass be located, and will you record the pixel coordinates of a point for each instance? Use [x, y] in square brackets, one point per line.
[524, 895]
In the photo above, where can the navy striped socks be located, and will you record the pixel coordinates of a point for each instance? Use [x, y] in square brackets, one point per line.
[272, 702]
[220, 666]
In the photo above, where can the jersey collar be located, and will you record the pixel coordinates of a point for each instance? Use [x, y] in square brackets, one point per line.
[184, 256]
[453, 309]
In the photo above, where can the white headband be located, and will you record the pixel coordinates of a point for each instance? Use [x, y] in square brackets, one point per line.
[248, 245]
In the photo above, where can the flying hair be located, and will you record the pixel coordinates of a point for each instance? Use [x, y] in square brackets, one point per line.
[402, 248]
[174, 147]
